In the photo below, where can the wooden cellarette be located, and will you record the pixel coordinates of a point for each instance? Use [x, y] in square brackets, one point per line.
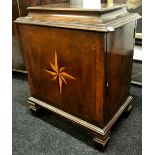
[79, 62]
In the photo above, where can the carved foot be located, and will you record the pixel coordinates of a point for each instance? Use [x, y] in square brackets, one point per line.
[101, 142]
[35, 109]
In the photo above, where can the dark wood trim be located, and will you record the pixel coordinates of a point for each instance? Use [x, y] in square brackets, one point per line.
[32, 101]
[102, 132]
[124, 106]
[90, 27]
[54, 7]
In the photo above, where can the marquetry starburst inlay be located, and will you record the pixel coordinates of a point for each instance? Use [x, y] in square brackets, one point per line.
[59, 74]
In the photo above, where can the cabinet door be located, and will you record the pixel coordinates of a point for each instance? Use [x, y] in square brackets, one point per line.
[65, 69]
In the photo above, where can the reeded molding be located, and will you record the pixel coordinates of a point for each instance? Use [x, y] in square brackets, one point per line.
[95, 129]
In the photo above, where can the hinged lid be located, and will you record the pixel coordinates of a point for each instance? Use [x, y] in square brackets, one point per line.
[103, 19]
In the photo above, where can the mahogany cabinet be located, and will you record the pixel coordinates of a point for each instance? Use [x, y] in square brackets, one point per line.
[79, 62]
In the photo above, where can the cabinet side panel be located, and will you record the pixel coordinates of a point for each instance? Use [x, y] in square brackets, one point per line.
[120, 47]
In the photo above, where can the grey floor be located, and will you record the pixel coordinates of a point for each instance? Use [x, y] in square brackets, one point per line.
[49, 134]
[137, 72]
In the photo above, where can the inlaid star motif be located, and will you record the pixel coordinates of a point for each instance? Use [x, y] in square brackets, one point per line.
[59, 74]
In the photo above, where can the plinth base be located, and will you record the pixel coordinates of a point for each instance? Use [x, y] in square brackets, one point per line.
[101, 135]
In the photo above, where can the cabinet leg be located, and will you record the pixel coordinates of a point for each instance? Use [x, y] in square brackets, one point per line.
[101, 142]
[34, 108]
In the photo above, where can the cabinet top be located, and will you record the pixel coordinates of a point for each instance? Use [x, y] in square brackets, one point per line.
[78, 7]
[102, 18]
